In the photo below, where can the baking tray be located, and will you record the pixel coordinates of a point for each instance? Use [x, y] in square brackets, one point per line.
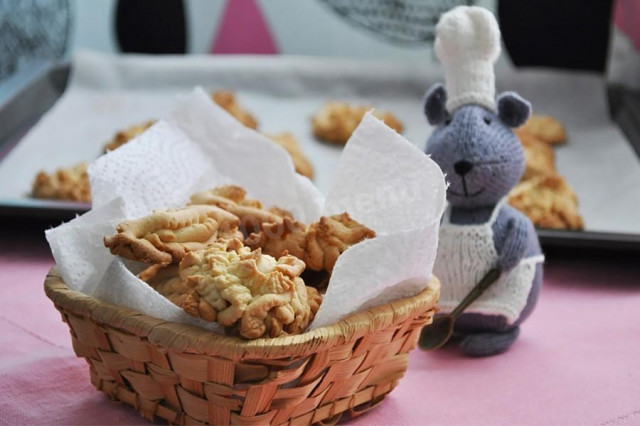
[18, 114]
[24, 109]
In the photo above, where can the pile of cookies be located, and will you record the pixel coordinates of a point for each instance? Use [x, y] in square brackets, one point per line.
[258, 272]
[543, 194]
[336, 121]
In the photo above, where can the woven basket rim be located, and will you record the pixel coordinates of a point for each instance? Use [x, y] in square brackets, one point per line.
[192, 339]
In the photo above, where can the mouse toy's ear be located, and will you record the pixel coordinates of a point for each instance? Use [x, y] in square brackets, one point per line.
[434, 104]
[513, 109]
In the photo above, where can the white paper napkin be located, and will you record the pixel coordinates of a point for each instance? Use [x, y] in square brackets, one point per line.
[383, 182]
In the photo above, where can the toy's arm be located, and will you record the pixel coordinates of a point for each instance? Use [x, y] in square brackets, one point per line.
[515, 243]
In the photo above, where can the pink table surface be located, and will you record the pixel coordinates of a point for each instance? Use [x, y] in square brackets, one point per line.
[577, 361]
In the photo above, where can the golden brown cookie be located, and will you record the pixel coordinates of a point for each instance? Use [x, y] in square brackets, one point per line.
[545, 128]
[318, 245]
[165, 237]
[126, 135]
[314, 298]
[235, 194]
[165, 279]
[539, 156]
[291, 145]
[288, 236]
[249, 293]
[71, 184]
[548, 201]
[336, 121]
[227, 100]
[237, 287]
[232, 198]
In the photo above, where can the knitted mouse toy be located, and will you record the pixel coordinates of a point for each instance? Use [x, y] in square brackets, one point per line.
[482, 158]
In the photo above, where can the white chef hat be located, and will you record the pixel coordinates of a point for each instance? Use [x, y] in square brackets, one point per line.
[468, 44]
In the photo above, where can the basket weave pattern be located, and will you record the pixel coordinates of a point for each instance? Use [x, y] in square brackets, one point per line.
[184, 374]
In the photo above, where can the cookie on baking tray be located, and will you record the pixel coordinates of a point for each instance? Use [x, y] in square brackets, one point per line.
[548, 201]
[68, 184]
[544, 127]
[542, 194]
[124, 136]
[227, 100]
[539, 157]
[292, 146]
[336, 121]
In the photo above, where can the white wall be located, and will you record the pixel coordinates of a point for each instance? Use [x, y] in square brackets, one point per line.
[302, 27]
[92, 26]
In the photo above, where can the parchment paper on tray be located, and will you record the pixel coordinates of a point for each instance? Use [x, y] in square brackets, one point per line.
[382, 181]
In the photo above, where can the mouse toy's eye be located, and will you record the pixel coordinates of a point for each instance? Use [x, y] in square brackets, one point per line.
[447, 120]
[487, 120]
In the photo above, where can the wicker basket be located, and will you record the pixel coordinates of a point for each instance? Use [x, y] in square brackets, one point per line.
[185, 374]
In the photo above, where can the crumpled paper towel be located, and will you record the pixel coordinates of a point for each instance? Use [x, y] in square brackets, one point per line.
[383, 181]
[395, 189]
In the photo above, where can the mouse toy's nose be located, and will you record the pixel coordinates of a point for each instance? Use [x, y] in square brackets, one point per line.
[462, 167]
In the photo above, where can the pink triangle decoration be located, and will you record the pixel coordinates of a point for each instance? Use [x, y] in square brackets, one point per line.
[626, 17]
[243, 29]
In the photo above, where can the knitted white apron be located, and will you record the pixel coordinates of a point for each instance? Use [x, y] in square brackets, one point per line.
[465, 254]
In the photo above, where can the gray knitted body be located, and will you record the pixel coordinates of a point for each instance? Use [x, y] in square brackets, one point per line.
[483, 159]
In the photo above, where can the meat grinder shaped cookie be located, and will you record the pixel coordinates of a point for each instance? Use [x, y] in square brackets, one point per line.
[232, 198]
[252, 293]
[166, 236]
[318, 245]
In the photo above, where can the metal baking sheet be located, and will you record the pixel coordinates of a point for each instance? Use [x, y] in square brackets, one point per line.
[107, 93]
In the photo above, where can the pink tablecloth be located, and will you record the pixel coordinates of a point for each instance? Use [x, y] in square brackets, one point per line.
[577, 361]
